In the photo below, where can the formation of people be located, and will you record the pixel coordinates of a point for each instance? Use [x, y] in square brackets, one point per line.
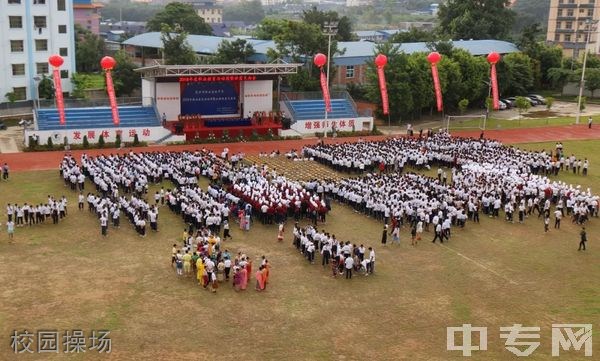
[29, 214]
[486, 177]
[341, 257]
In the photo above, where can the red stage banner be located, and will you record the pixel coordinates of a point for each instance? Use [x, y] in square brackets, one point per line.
[437, 87]
[60, 103]
[383, 89]
[494, 81]
[325, 90]
[110, 88]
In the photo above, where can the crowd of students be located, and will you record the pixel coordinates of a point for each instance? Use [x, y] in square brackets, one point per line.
[31, 214]
[485, 177]
[341, 257]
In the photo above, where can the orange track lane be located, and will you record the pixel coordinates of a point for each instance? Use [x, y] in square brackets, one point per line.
[50, 160]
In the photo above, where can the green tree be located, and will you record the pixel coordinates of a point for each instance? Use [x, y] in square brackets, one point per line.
[528, 12]
[126, 80]
[250, 12]
[549, 103]
[451, 80]
[515, 74]
[46, 88]
[11, 97]
[463, 104]
[101, 141]
[233, 52]
[129, 11]
[475, 19]
[543, 57]
[136, 140]
[475, 75]
[176, 49]
[181, 14]
[89, 49]
[269, 28]
[592, 80]
[49, 143]
[559, 77]
[413, 35]
[522, 104]
[318, 17]
[78, 80]
[400, 93]
[86, 142]
[300, 39]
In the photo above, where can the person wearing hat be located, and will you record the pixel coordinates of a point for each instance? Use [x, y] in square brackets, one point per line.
[583, 236]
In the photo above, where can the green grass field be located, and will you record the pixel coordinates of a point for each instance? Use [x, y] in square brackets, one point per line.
[497, 123]
[494, 274]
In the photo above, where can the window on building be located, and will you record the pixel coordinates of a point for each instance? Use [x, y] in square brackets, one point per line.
[60, 5]
[15, 22]
[63, 51]
[14, 1]
[560, 12]
[64, 74]
[39, 2]
[41, 45]
[349, 71]
[39, 21]
[18, 69]
[20, 93]
[590, 12]
[62, 29]
[41, 68]
[567, 38]
[557, 37]
[570, 12]
[16, 46]
[569, 25]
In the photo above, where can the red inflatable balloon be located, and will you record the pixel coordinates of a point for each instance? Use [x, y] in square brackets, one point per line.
[107, 63]
[380, 60]
[320, 60]
[56, 61]
[493, 57]
[434, 57]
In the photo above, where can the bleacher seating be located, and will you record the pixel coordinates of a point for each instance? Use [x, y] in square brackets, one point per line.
[98, 117]
[315, 109]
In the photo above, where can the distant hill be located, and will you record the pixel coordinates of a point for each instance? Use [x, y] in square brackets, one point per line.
[531, 11]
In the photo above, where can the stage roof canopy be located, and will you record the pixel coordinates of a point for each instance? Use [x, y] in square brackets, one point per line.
[276, 68]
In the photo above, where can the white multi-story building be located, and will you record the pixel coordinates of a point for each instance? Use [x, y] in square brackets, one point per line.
[31, 31]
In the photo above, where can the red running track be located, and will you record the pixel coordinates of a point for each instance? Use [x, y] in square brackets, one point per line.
[28, 161]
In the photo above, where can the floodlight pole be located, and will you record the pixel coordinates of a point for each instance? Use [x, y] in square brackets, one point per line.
[589, 23]
[330, 29]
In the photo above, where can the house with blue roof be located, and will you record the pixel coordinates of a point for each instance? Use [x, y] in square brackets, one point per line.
[350, 65]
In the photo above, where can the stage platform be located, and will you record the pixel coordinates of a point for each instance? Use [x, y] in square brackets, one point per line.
[193, 131]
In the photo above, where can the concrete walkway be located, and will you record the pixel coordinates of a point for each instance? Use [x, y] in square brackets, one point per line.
[8, 139]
